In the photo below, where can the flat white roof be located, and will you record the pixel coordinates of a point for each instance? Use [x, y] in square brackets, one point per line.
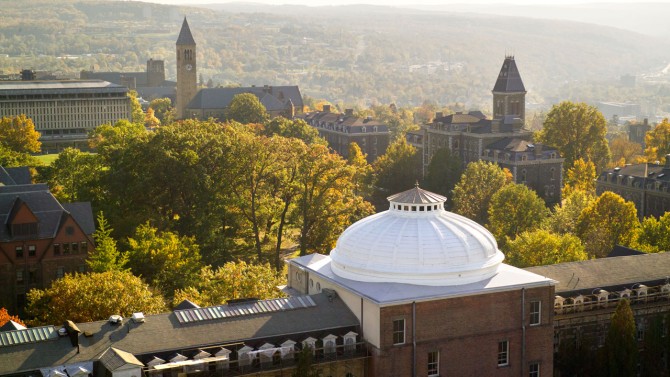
[508, 278]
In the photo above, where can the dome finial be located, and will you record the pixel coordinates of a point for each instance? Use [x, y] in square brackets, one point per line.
[416, 184]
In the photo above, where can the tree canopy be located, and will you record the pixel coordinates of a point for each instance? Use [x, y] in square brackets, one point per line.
[5, 317]
[607, 221]
[473, 192]
[396, 170]
[621, 342]
[541, 247]
[233, 280]
[580, 177]
[443, 172]
[653, 234]
[106, 256]
[657, 142]
[18, 139]
[92, 297]
[514, 209]
[246, 108]
[577, 130]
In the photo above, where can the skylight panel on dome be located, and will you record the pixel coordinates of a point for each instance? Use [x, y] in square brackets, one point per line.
[243, 309]
[31, 335]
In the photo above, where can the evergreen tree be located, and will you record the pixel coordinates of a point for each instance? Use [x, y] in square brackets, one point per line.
[621, 342]
[106, 256]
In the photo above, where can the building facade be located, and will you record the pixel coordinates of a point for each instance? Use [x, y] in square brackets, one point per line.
[40, 241]
[65, 111]
[587, 294]
[646, 185]
[503, 140]
[340, 130]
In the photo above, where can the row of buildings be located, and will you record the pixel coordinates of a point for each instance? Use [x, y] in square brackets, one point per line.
[411, 291]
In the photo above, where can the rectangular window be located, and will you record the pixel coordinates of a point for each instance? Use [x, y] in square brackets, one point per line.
[66, 248]
[503, 353]
[19, 277]
[433, 363]
[83, 247]
[19, 252]
[60, 272]
[534, 370]
[56, 249]
[399, 331]
[31, 250]
[32, 277]
[75, 248]
[535, 308]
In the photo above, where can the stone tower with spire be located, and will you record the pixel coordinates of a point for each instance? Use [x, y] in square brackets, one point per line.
[187, 78]
[509, 94]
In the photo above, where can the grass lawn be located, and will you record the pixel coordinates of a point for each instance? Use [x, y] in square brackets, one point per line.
[47, 159]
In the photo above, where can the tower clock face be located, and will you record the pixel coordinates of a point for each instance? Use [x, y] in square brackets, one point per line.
[189, 67]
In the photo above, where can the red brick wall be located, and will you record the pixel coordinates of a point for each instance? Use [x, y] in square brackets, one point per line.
[466, 332]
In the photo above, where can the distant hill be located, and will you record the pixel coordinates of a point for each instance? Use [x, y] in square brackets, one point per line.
[351, 54]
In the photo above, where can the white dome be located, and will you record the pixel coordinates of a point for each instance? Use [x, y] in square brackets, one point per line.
[416, 242]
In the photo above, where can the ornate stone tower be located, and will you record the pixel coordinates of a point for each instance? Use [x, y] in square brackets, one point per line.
[186, 70]
[509, 94]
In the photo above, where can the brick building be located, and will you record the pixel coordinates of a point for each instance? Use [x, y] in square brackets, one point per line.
[647, 185]
[40, 241]
[340, 130]
[432, 295]
[504, 140]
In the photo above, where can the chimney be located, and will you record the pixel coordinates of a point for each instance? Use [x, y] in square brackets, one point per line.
[349, 112]
[667, 162]
[326, 108]
[538, 150]
[73, 333]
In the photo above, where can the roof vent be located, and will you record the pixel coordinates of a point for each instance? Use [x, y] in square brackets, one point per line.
[115, 319]
[138, 317]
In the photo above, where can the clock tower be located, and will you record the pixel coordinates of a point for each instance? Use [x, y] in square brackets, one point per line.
[187, 78]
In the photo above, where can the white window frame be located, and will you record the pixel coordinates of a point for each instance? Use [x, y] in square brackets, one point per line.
[433, 363]
[399, 332]
[534, 370]
[503, 353]
[535, 316]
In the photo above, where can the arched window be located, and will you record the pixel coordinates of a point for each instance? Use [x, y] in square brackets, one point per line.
[523, 175]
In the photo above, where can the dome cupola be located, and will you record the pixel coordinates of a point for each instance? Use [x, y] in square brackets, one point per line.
[416, 242]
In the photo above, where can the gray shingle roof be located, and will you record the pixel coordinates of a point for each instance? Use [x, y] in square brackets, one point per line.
[21, 175]
[114, 359]
[509, 79]
[185, 36]
[162, 333]
[606, 272]
[219, 98]
[83, 215]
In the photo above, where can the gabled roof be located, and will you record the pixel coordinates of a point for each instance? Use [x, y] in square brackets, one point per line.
[185, 36]
[509, 79]
[82, 214]
[114, 359]
[274, 98]
[11, 326]
[20, 174]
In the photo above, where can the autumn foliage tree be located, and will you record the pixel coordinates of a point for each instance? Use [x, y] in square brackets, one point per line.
[541, 247]
[5, 317]
[233, 280]
[18, 139]
[246, 108]
[514, 209]
[92, 297]
[473, 192]
[657, 142]
[577, 130]
[607, 221]
[580, 177]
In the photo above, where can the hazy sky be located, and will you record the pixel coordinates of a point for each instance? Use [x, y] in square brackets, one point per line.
[402, 2]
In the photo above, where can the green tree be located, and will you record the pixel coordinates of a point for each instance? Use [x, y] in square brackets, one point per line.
[577, 130]
[231, 281]
[396, 170]
[443, 172]
[654, 348]
[363, 174]
[653, 234]
[296, 128]
[106, 256]
[473, 192]
[657, 142]
[607, 221]
[621, 342]
[18, 134]
[163, 110]
[514, 209]
[565, 216]
[108, 139]
[581, 176]
[304, 367]
[246, 108]
[74, 176]
[92, 297]
[164, 259]
[136, 113]
[326, 204]
[541, 247]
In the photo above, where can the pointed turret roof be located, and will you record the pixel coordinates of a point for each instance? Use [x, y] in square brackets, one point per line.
[509, 79]
[185, 36]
